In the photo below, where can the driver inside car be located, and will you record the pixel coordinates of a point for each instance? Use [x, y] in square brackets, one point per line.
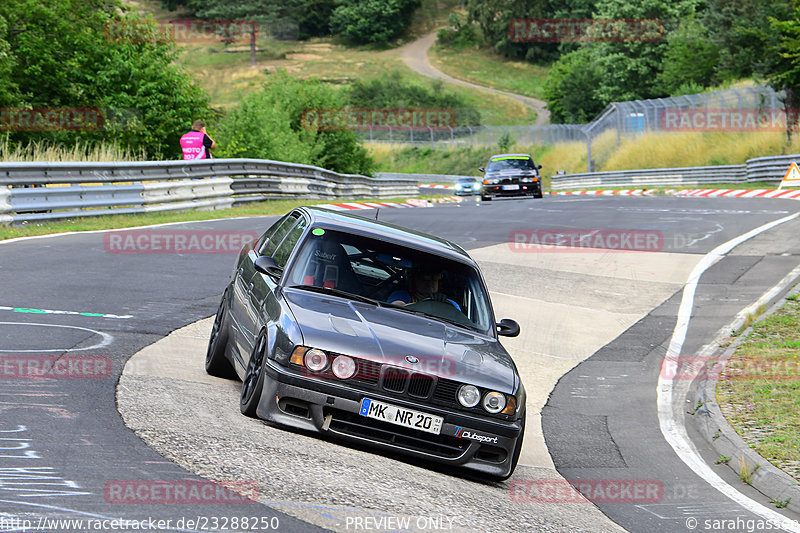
[424, 286]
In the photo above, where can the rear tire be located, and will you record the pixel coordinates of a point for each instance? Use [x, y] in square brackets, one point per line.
[216, 362]
[253, 381]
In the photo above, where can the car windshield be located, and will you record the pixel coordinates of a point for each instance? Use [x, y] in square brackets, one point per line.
[466, 180]
[395, 276]
[515, 163]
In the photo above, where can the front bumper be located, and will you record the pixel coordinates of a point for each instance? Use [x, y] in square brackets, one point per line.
[524, 189]
[331, 408]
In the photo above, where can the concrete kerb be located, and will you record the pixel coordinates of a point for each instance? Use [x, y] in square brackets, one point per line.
[765, 477]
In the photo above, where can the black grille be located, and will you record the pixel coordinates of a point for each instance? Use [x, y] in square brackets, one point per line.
[368, 371]
[360, 426]
[420, 385]
[394, 379]
[446, 391]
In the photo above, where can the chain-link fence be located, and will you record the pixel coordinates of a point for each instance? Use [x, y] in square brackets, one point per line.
[736, 109]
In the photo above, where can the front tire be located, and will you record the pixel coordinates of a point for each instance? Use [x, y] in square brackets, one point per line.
[253, 381]
[517, 451]
[216, 362]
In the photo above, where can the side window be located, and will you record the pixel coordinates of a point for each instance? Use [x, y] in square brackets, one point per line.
[278, 233]
[285, 248]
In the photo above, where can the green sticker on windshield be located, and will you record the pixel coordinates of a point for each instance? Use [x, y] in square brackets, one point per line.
[318, 231]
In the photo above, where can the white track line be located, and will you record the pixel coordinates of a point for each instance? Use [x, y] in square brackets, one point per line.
[671, 427]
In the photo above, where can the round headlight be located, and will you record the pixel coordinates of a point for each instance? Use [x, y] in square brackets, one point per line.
[343, 367]
[315, 360]
[469, 395]
[494, 402]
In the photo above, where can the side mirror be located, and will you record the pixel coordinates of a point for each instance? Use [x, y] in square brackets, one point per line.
[538, 167]
[508, 328]
[267, 265]
[482, 169]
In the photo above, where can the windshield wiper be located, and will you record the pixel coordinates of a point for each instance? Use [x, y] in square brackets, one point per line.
[338, 292]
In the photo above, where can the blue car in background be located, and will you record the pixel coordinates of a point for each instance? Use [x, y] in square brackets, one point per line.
[467, 186]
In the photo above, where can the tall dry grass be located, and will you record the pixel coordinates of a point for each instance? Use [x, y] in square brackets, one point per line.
[80, 151]
[691, 149]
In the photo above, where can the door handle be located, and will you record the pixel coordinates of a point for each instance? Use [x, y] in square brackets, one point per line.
[251, 287]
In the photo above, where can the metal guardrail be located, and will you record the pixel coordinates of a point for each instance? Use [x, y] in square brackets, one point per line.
[426, 178]
[768, 169]
[47, 191]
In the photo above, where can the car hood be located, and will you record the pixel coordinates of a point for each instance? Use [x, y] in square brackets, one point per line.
[510, 172]
[388, 335]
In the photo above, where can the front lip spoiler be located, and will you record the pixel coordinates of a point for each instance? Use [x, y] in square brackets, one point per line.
[321, 396]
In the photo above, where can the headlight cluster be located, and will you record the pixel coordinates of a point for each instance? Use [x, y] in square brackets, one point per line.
[528, 179]
[317, 361]
[493, 402]
[491, 181]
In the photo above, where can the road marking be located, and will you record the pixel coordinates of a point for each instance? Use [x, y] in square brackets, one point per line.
[54, 312]
[106, 338]
[673, 429]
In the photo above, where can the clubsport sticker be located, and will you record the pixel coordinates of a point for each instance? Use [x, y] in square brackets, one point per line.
[461, 434]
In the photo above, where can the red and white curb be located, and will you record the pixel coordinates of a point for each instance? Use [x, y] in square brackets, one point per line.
[793, 194]
[430, 186]
[617, 192]
[411, 202]
[736, 193]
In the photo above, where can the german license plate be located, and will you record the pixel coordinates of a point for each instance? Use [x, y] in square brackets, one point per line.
[510, 187]
[401, 416]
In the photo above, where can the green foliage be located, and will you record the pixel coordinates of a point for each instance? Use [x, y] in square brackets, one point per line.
[393, 90]
[505, 141]
[268, 124]
[741, 30]
[372, 21]
[458, 34]
[784, 73]
[570, 88]
[9, 92]
[76, 56]
[494, 17]
[584, 81]
[690, 59]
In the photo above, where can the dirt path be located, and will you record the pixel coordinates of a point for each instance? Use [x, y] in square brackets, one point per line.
[415, 55]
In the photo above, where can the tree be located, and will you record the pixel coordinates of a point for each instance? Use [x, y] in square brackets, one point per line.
[9, 92]
[269, 124]
[76, 56]
[372, 21]
[690, 59]
[742, 31]
[570, 89]
[784, 72]
[494, 18]
[261, 13]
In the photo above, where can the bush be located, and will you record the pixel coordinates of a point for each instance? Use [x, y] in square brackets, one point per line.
[372, 21]
[393, 90]
[690, 59]
[458, 34]
[268, 124]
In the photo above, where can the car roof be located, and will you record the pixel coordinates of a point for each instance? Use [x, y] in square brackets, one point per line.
[386, 231]
[510, 155]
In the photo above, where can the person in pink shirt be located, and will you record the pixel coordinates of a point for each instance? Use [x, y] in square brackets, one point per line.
[197, 144]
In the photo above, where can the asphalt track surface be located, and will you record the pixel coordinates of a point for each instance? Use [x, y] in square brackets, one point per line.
[63, 446]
